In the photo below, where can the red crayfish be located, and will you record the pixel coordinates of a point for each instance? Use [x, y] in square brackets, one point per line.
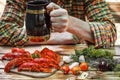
[39, 61]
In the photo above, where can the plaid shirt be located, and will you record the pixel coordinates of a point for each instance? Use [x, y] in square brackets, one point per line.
[96, 12]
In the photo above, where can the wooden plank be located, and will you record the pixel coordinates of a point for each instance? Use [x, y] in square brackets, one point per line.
[115, 10]
[11, 76]
[2, 65]
[112, 0]
[111, 76]
[116, 16]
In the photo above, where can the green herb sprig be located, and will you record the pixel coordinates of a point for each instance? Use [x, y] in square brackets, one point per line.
[92, 53]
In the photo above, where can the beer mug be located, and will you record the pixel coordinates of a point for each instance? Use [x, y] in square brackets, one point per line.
[37, 21]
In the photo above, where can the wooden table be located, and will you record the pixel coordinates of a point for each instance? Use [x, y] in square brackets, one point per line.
[62, 49]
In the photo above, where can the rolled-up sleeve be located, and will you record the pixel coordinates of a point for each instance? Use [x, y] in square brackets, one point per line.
[101, 22]
[12, 31]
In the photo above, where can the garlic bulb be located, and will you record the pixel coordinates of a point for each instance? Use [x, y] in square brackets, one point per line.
[67, 59]
[82, 59]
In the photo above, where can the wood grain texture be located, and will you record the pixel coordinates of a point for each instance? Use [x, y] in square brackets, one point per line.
[59, 74]
[115, 10]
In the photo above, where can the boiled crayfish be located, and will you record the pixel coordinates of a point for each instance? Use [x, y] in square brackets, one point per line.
[15, 63]
[39, 61]
[16, 53]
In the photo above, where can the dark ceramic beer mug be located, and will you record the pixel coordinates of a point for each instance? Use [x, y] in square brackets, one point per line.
[37, 21]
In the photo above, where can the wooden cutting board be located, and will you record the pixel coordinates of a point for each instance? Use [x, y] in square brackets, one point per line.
[34, 74]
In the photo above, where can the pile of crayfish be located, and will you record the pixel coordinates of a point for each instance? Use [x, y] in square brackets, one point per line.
[38, 61]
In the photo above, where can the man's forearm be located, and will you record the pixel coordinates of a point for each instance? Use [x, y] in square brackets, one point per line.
[81, 29]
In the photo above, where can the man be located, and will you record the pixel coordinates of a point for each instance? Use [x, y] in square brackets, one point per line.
[78, 20]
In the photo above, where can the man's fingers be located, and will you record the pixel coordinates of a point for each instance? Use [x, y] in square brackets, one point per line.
[59, 19]
[58, 12]
[59, 25]
[52, 6]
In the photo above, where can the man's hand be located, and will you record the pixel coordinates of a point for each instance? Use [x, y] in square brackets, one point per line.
[62, 22]
[59, 17]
